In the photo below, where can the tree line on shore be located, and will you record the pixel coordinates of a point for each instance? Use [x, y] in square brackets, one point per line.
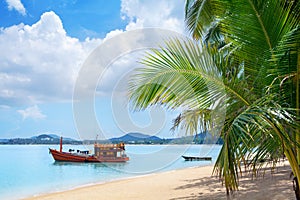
[130, 138]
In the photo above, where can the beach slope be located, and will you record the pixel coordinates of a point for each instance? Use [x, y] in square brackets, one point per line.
[192, 183]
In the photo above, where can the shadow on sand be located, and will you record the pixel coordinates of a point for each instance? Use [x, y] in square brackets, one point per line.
[276, 185]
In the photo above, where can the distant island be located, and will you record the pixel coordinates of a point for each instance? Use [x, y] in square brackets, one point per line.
[129, 138]
[40, 139]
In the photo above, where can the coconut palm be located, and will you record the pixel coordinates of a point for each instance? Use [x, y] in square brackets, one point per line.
[239, 78]
[266, 34]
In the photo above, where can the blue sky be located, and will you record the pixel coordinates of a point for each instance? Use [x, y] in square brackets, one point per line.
[43, 47]
[81, 19]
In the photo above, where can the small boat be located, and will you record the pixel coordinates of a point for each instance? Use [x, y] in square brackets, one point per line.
[102, 153]
[191, 158]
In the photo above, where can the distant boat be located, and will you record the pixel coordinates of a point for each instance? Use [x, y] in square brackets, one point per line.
[192, 158]
[102, 153]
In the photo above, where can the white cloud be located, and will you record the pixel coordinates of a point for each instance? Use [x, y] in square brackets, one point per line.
[17, 5]
[167, 14]
[40, 62]
[33, 112]
[113, 33]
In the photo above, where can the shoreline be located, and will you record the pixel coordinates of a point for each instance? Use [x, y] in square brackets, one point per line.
[187, 183]
[99, 183]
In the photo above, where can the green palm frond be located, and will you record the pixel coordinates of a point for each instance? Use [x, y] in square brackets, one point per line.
[283, 68]
[183, 74]
[193, 121]
[258, 34]
[256, 134]
[241, 82]
[198, 16]
[174, 76]
[254, 27]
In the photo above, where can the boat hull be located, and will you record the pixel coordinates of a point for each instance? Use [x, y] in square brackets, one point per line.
[192, 158]
[72, 157]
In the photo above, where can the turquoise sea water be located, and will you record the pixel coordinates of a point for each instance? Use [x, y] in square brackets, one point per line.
[29, 170]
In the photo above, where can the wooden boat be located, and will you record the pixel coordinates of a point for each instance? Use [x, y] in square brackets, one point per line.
[102, 153]
[191, 158]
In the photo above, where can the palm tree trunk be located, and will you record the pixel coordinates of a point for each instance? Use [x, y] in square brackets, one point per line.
[296, 188]
[296, 179]
[297, 107]
[296, 171]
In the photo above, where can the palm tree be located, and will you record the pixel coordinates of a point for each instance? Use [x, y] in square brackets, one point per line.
[239, 77]
[266, 34]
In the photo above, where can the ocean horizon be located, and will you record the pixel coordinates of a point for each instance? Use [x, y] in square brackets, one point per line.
[29, 170]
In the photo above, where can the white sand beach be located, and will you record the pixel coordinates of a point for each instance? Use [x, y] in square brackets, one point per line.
[191, 183]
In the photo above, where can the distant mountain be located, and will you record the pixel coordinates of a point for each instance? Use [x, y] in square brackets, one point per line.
[136, 138]
[54, 136]
[129, 138]
[3, 141]
[40, 139]
[200, 138]
[139, 138]
[207, 138]
[45, 135]
[51, 137]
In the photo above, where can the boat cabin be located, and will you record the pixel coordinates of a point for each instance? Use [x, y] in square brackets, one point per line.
[109, 150]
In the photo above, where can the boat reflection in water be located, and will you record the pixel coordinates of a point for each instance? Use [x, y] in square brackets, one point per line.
[102, 153]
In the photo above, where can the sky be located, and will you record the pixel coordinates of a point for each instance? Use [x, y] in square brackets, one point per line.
[44, 45]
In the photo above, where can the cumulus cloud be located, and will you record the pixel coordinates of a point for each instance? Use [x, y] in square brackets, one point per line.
[32, 112]
[17, 5]
[40, 62]
[167, 14]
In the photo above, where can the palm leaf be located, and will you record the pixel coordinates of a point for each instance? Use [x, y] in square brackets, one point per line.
[251, 26]
[240, 78]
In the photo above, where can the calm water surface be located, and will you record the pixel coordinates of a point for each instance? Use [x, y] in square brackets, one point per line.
[28, 170]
